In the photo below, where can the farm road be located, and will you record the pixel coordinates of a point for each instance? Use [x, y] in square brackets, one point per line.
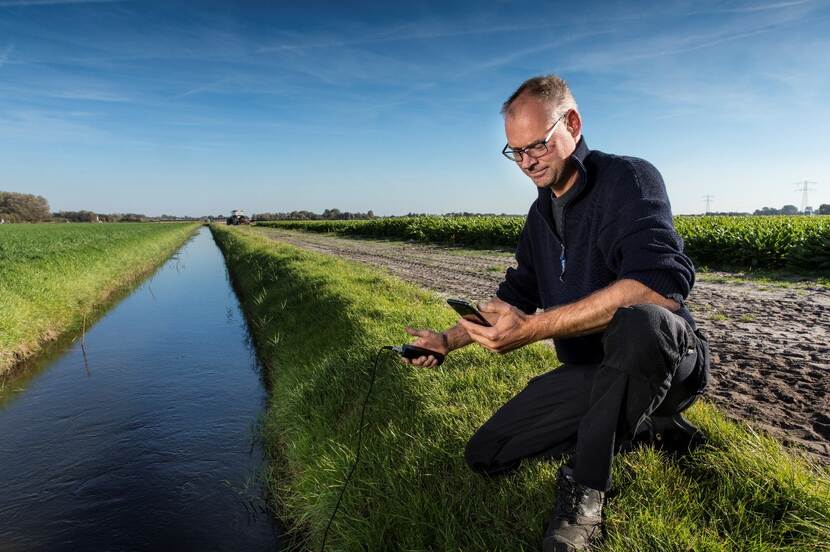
[770, 345]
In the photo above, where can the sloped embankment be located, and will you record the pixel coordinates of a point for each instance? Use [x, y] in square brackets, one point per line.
[317, 322]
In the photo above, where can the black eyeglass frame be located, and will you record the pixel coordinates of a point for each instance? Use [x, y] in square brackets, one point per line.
[518, 154]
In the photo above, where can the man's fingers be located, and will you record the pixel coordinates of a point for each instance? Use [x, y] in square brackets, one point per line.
[422, 361]
[483, 335]
[477, 330]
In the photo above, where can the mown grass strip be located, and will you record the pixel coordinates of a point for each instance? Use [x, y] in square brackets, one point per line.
[54, 277]
[317, 322]
[798, 243]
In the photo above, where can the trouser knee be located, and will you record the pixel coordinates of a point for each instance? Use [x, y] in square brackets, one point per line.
[481, 451]
[478, 452]
[644, 337]
[638, 324]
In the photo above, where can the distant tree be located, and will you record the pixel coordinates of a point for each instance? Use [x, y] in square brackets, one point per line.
[789, 210]
[731, 213]
[76, 216]
[824, 209]
[17, 207]
[328, 214]
[132, 217]
[767, 211]
[89, 216]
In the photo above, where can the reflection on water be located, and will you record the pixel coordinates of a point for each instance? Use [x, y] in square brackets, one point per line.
[151, 444]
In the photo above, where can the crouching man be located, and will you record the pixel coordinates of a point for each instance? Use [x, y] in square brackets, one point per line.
[600, 255]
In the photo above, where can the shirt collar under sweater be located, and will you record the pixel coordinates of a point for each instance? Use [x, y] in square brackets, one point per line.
[545, 203]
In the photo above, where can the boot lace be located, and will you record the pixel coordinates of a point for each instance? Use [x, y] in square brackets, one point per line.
[570, 497]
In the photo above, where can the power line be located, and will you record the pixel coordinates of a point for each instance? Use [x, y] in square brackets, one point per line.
[708, 200]
[804, 188]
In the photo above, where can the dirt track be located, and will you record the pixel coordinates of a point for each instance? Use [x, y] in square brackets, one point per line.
[770, 345]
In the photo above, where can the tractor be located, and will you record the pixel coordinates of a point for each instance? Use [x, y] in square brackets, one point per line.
[238, 217]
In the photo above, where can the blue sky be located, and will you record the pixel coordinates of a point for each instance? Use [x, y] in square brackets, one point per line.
[202, 107]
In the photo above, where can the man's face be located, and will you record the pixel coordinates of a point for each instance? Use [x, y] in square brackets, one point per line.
[528, 122]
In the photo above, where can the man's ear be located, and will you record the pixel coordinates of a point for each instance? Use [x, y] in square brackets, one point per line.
[574, 123]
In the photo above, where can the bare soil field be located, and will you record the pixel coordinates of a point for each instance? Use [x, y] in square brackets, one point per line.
[770, 344]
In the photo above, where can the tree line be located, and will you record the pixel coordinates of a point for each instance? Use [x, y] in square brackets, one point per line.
[328, 214]
[18, 207]
[823, 209]
[89, 216]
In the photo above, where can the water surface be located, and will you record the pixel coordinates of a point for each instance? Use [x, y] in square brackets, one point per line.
[151, 443]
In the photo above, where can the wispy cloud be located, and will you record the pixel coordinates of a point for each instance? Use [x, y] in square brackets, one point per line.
[43, 83]
[89, 95]
[211, 86]
[700, 43]
[49, 126]
[752, 8]
[401, 33]
[529, 53]
[667, 45]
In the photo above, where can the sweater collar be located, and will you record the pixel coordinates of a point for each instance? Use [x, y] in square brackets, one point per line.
[581, 151]
[578, 156]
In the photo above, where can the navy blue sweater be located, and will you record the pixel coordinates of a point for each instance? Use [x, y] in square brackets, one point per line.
[619, 225]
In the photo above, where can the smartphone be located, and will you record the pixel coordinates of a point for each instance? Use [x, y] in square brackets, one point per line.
[468, 312]
[412, 352]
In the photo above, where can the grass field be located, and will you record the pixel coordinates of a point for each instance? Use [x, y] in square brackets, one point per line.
[317, 322]
[795, 243]
[53, 277]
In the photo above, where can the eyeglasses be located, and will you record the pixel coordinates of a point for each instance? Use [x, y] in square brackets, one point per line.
[535, 150]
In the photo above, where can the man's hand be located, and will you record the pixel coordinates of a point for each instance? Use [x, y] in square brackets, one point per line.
[512, 328]
[431, 340]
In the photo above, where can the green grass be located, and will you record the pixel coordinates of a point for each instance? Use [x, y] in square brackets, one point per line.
[317, 321]
[53, 277]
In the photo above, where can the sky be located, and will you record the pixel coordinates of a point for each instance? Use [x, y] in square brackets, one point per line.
[201, 107]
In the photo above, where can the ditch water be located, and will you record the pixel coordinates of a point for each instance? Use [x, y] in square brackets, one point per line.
[151, 441]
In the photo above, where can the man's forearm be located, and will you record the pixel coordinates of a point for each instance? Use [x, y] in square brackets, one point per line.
[593, 313]
[456, 337]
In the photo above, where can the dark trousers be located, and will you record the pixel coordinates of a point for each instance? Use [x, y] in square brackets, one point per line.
[653, 364]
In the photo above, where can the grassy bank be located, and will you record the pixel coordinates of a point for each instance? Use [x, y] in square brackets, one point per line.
[317, 322]
[53, 277]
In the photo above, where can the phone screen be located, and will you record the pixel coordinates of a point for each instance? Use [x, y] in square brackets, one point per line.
[467, 311]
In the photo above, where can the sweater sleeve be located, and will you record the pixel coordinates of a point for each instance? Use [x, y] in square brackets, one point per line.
[638, 239]
[519, 287]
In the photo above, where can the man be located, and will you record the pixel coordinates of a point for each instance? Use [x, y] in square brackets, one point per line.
[599, 254]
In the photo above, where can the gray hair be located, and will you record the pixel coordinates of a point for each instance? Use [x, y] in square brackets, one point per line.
[550, 89]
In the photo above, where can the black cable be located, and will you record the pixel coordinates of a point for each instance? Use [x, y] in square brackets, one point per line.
[359, 443]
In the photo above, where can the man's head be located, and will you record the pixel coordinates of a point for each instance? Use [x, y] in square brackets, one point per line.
[543, 106]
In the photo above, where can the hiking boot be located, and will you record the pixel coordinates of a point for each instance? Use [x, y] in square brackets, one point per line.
[576, 524]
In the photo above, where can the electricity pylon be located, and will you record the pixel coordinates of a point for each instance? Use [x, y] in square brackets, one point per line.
[708, 200]
[804, 188]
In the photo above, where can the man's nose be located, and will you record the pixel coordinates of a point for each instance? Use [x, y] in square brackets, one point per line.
[527, 161]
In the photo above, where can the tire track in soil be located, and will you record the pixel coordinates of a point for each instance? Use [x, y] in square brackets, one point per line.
[770, 345]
